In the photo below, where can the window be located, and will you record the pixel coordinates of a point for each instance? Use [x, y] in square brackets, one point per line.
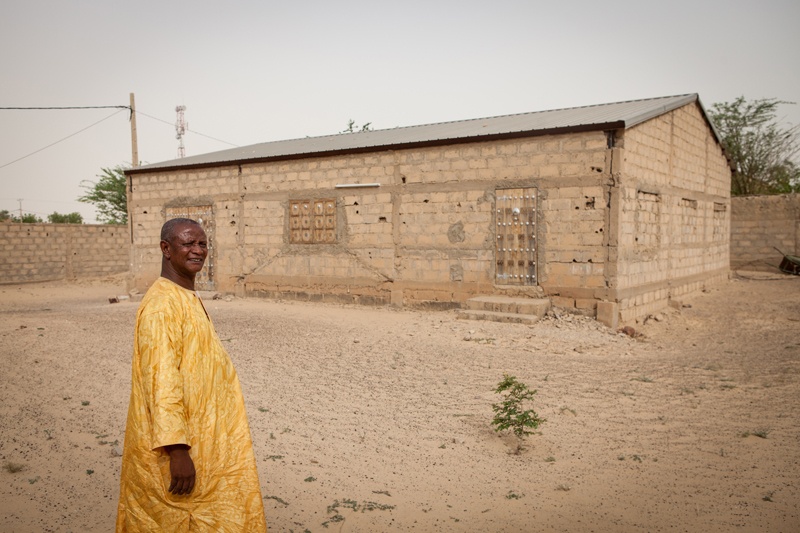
[312, 221]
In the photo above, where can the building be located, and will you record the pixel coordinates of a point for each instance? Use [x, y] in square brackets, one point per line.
[614, 209]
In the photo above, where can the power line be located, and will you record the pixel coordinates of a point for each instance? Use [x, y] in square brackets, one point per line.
[65, 138]
[41, 200]
[120, 107]
[70, 107]
[172, 125]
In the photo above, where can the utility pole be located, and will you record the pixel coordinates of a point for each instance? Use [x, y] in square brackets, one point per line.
[20, 209]
[134, 141]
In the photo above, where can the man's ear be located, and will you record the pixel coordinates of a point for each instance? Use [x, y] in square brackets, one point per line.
[165, 249]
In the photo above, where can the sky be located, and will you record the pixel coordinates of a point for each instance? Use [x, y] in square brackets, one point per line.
[256, 71]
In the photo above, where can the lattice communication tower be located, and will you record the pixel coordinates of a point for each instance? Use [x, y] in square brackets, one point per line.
[180, 128]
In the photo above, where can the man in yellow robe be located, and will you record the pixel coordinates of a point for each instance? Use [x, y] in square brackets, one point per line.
[188, 462]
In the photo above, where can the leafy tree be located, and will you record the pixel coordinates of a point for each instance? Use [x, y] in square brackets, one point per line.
[71, 218]
[510, 414]
[109, 195]
[352, 127]
[27, 218]
[762, 151]
[5, 215]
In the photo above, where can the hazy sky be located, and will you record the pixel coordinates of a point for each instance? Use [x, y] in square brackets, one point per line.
[257, 71]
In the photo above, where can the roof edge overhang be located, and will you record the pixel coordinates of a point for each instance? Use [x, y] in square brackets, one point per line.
[663, 110]
[687, 99]
[606, 126]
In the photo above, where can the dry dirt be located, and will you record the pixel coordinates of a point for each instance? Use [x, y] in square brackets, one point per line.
[376, 420]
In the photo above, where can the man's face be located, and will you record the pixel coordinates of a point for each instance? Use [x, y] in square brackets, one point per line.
[188, 250]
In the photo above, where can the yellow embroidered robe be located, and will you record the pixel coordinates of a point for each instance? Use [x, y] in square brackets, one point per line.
[185, 391]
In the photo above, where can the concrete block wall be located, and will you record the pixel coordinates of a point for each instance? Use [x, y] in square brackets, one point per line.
[674, 212]
[48, 252]
[635, 225]
[759, 224]
[575, 232]
[425, 235]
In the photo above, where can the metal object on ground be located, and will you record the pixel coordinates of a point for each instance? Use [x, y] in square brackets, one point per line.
[790, 264]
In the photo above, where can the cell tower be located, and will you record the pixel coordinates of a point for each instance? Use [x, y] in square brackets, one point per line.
[180, 128]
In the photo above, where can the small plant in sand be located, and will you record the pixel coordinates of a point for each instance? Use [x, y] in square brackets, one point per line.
[13, 468]
[333, 509]
[761, 433]
[510, 414]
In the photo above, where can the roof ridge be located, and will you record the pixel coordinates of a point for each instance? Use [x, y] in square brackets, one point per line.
[623, 114]
[330, 135]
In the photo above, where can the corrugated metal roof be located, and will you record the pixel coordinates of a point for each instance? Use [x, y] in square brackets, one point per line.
[615, 115]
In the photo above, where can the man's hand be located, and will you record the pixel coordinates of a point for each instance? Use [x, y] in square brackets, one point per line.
[181, 468]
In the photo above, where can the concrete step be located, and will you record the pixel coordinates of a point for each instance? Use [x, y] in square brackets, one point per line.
[497, 316]
[506, 304]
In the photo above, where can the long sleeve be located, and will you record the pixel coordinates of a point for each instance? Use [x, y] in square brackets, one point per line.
[160, 348]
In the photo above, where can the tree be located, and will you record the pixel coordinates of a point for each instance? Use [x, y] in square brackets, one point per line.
[763, 152]
[71, 218]
[27, 218]
[109, 195]
[511, 414]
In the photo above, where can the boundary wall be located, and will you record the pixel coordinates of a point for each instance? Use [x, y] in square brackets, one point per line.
[51, 252]
[759, 225]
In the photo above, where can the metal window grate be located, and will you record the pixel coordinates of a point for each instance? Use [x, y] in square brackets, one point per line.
[515, 250]
[312, 221]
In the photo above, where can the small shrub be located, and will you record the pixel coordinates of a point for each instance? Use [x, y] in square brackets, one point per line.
[355, 506]
[13, 468]
[277, 499]
[510, 414]
[761, 433]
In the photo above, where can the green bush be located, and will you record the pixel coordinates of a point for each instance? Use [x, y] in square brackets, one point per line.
[510, 414]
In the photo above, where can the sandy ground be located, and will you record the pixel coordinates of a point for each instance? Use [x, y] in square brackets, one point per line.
[376, 420]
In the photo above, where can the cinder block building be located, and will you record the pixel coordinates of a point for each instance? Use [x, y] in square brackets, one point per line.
[612, 209]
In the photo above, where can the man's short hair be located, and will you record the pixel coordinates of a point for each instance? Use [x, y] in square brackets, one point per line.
[169, 227]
